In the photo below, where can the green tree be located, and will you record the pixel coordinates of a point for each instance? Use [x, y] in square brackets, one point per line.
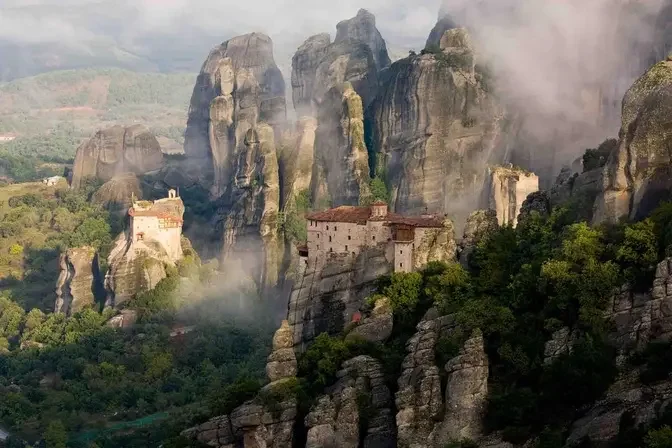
[638, 253]
[56, 436]
[659, 438]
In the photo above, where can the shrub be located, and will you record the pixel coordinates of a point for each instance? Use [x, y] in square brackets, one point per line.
[659, 438]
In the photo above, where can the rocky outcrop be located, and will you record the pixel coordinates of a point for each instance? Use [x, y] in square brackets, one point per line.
[466, 392]
[480, 225]
[436, 245]
[357, 408]
[252, 425]
[305, 63]
[561, 343]
[133, 267]
[444, 24]
[639, 318]
[419, 399]
[628, 404]
[117, 194]
[327, 296]
[282, 360]
[79, 281]
[424, 417]
[249, 209]
[357, 55]
[238, 86]
[341, 168]
[362, 28]
[114, 151]
[377, 325]
[295, 160]
[509, 188]
[637, 175]
[435, 129]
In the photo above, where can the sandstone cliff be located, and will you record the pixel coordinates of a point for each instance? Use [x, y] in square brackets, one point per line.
[357, 55]
[358, 410]
[637, 175]
[509, 188]
[117, 194]
[435, 129]
[249, 210]
[114, 151]
[341, 170]
[239, 84]
[424, 417]
[133, 267]
[79, 282]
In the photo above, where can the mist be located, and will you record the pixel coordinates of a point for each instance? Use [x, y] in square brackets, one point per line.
[178, 34]
[564, 66]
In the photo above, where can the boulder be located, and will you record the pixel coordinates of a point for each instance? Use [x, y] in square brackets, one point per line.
[437, 244]
[79, 282]
[114, 151]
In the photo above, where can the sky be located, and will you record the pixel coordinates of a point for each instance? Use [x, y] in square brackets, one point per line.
[77, 23]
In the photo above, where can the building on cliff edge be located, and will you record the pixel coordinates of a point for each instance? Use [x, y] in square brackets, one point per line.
[347, 230]
[160, 221]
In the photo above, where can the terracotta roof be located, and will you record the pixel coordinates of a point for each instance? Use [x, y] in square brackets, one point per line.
[360, 215]
[344, 213]
[157, 213]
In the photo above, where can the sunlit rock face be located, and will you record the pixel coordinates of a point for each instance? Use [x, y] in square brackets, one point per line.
[638, 174]
[509, 188]
[115, 151]
[435, 130]
[239, 85]
[340, 167]
[79, 280]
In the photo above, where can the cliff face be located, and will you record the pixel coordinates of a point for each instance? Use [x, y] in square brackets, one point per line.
[79, 281]
[249, 210]
[425, 417]
[114, 151]
[435, 128]
[341, 169]
[509, 188]
[357, 55]
[637, 176]
[239, 84]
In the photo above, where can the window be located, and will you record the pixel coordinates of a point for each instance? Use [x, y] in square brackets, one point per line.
[330, 239]
[327, 227]
[401, 252]
[373, 238]
[318, 247]
[401, 265]
[349, 237]
[335, 229]
[331, 249]
[346, 247]
[318, 235]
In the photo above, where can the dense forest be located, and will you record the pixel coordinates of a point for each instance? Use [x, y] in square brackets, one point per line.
[73, 379]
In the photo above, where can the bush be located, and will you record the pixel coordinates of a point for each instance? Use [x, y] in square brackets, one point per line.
[659, 438]
[227, 399]
[597, 158]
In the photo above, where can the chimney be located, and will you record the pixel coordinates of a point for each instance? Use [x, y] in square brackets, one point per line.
[379, 209]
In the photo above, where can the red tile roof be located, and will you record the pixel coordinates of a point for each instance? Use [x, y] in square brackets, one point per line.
[360, 215]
